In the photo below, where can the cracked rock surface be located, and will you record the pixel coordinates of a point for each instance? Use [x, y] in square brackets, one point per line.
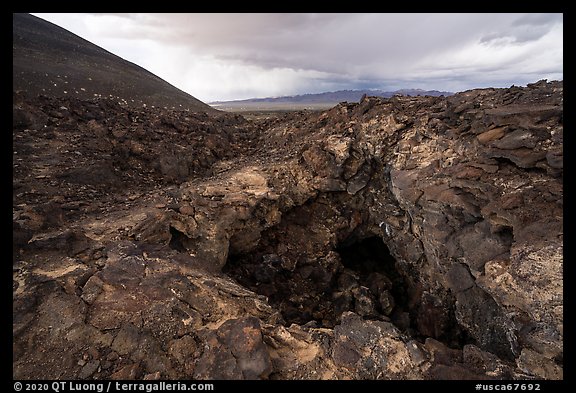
[401, 238]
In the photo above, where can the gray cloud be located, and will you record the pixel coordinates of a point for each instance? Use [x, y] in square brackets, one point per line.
[263, 54]
[336, 42]
[538, 19]
[528, 27]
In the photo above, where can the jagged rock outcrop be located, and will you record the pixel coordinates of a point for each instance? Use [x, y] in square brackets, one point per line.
[402, 238]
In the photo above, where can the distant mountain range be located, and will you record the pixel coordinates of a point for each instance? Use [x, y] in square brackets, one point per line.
[332, 97]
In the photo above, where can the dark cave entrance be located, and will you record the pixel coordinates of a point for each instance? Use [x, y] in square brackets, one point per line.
[177, 240]
[370, 256]
[370, 259]
[419, 316]
[358, 276]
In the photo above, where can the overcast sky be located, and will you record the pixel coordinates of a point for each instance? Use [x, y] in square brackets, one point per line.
[236, 56]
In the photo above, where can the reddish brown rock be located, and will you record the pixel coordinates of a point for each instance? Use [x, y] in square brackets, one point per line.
[402, 238]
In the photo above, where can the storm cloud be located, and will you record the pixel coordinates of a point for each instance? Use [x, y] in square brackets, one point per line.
[235, 56]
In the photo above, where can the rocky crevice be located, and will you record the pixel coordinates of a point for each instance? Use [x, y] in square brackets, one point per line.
[402, 238]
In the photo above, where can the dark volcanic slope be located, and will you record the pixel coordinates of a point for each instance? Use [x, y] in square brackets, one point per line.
[52, 61]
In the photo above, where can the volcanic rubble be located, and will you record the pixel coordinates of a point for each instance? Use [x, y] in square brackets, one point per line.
[401, 238]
